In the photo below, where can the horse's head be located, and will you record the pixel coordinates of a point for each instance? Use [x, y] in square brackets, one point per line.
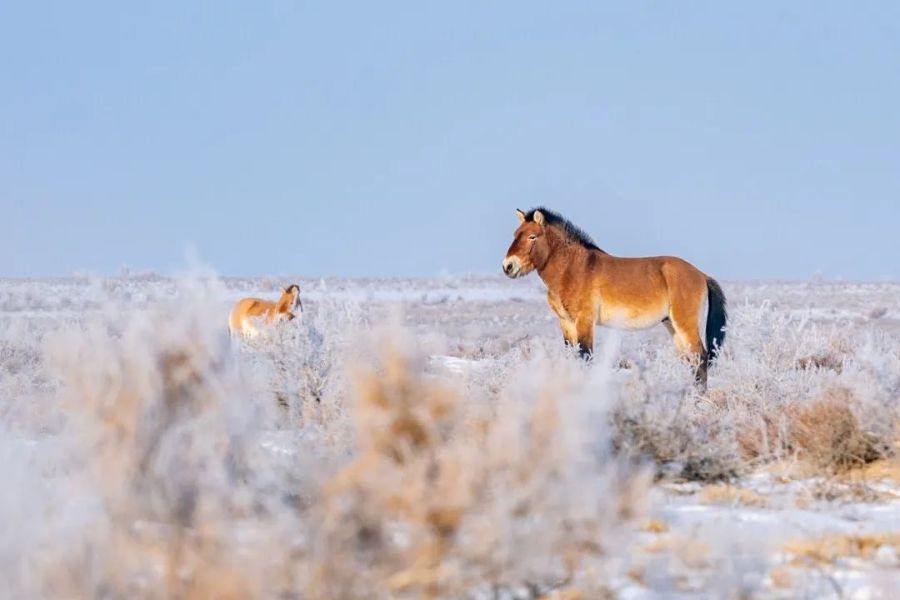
[529, 246]
[290, 298]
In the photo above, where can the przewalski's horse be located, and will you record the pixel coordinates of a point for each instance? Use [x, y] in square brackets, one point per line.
[586, 287]
[240, 321]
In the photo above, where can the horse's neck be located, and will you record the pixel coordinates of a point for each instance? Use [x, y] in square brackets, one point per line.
[283, 304]
[563, 256]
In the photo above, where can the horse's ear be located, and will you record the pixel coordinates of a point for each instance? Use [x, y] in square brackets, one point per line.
[538, 218]
[521, 215]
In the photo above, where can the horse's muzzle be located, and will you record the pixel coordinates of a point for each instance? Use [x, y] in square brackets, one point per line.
[511, 267]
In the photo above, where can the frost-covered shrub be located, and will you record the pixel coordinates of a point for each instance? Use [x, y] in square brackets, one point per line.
[765, 402]
[168, 478]
[306, 360]
[443, 496]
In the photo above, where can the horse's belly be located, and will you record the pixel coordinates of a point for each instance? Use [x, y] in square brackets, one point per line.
[624, 317]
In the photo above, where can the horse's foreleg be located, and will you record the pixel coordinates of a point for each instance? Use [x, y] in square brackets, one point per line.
[584, 330]
[570, 334]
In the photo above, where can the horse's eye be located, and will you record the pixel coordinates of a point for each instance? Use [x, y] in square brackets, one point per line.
[532, 237]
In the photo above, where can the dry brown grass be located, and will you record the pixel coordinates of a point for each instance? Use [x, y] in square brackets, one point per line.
[831, 358]
[785, 471]
[834, 489]
[828, 433]
[690, 551]
[700, 442]
[825, 433]
[730, 494]
[403, 478]
[407, 482]
[438, 495]
[827, 360]
[829, 548]
[762, 436]
[146, 416]
[465, 490]
[781, 577]
[654, 526]
[878, 470]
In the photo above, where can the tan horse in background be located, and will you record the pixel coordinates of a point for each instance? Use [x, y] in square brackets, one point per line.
[246, 311]
[588, 287]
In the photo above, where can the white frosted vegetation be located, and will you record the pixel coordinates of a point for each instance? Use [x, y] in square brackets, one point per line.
[316, 461]
[416, 438]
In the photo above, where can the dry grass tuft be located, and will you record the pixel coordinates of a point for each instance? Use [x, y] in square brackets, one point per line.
[439, 499]
[825, 432]
[729, 494]
[698, 443]
[763, 436]
[832, 358]
[877, 470]
[148, 408]
[685, 549]
[655, 526]
[832, 489]
[828, 433]
[826, 360]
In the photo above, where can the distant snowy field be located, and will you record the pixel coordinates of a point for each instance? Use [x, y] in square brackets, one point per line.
[23, 298]
[461, 309]
[699, 537]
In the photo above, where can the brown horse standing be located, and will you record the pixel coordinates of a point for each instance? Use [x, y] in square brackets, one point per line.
[588, 287]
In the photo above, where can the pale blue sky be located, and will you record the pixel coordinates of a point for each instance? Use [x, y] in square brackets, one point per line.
[383, 138]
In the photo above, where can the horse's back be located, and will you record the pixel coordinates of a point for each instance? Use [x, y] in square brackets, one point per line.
[682, 275]
[637, 293]
[244, 309]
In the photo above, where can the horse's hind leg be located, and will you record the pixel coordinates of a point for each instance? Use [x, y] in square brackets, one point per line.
[690, 345]
[248, 331]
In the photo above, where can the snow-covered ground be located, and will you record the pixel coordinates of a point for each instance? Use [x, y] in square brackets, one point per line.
[774, 526]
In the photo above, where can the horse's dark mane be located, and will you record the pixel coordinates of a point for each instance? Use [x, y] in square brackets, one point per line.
[572, 231]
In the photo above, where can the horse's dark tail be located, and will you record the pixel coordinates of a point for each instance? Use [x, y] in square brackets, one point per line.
[716, 318]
